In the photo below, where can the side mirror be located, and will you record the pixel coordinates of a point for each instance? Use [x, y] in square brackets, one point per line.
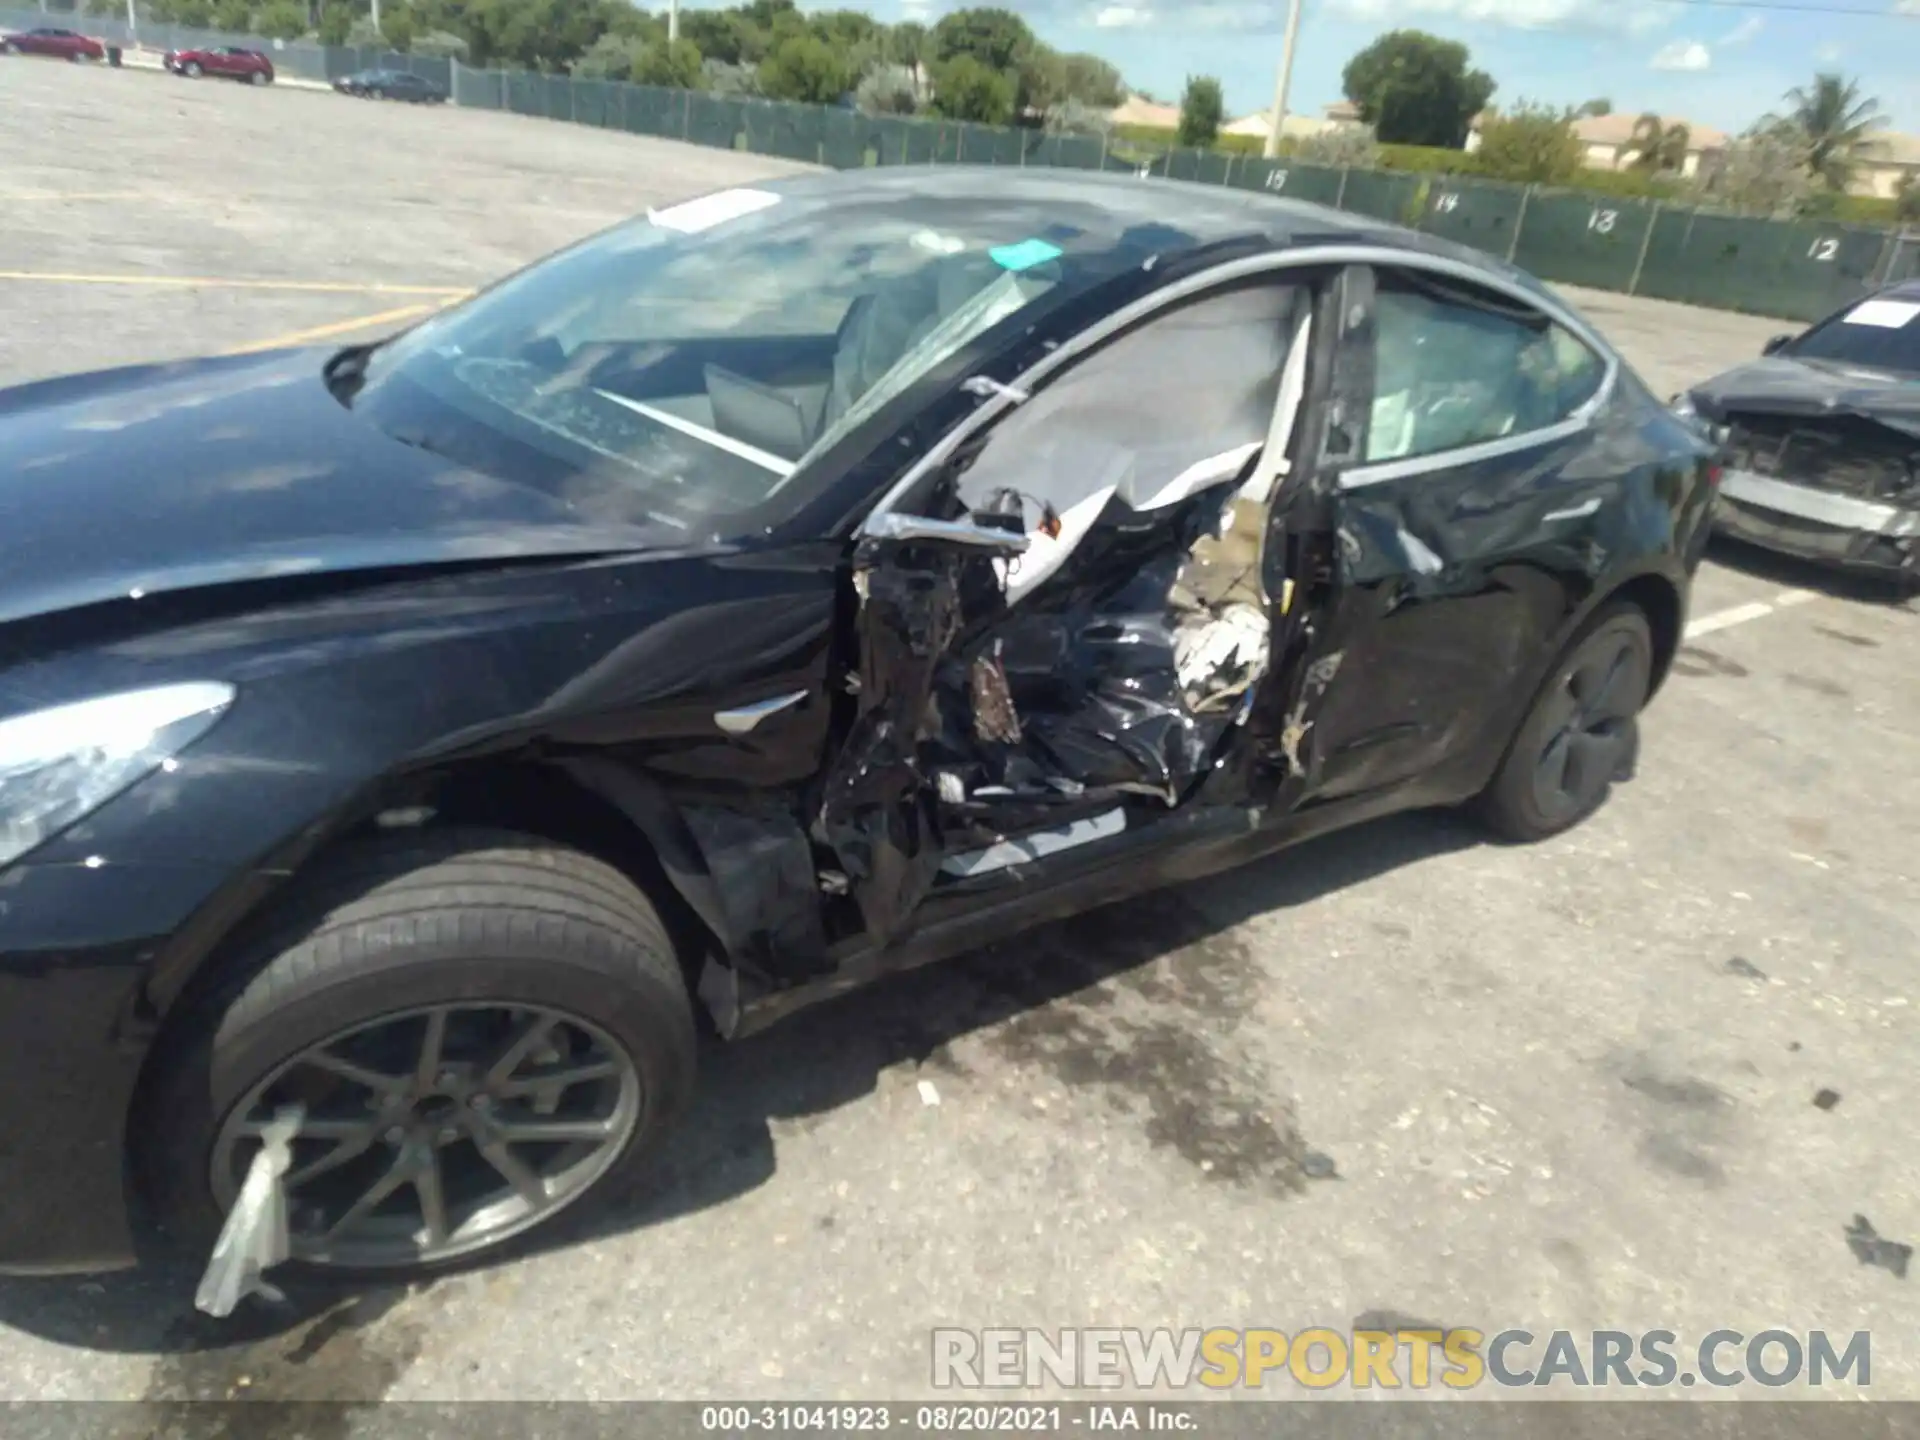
[1776, 344]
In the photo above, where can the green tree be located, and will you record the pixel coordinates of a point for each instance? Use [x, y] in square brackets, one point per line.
[1906, 198]
[846, 29]
[233, 16]
[1530, 144]
[1659, 148]
[278, 20]
[997, 39]
[1416, 89]
[1091, 81]
[888, 90]
[908, 43]
[397, 26]
[675, 66]
[965, 89]
[336, 23]
[806, 69]
[1201, 110]
[1764, 172]
[1832, 119]
[611, 57]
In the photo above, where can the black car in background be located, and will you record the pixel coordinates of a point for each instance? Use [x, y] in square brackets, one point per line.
[1823, 439]
[391, 85]
[804, 582]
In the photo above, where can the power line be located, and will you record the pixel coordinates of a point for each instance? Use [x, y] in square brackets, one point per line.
[1791, 5]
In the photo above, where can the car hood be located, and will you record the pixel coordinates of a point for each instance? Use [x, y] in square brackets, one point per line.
[1781, 385]
[164, 478]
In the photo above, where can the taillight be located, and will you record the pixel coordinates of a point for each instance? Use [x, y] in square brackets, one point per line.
[1713, 471]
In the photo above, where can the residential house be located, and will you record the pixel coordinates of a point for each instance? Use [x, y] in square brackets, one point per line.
[1884, 162]
[1342, 115]
[1609, 141]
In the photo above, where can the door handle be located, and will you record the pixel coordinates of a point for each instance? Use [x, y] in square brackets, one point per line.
[1577, 512]
[746, 718]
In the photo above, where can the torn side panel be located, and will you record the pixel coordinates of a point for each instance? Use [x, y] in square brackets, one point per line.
[761, 865]
[877, 810]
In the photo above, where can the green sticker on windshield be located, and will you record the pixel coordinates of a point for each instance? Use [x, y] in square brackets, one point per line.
[1025, 255]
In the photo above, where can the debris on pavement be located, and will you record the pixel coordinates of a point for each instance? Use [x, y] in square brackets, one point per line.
[1318, 1166]
[256, 1236]
[1870, 1248]
[1826, 1099]
[928, 1094]
[1740, 965]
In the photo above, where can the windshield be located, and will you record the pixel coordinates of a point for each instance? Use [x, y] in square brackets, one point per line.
[1878, 334]
[702, 358]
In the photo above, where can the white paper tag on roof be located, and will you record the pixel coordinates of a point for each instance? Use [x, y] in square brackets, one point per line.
[690, 217]
[1887, 314]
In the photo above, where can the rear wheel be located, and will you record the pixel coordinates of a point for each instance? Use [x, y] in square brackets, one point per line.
[9, 48]
[1582, 734]
[259, 77]
[483, 1031]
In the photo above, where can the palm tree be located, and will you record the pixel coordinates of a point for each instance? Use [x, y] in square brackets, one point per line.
[1659, 147]
[1832, 119]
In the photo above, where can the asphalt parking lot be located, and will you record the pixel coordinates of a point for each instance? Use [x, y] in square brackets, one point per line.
[1399, 1071]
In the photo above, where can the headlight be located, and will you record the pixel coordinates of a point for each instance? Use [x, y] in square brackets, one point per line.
[1683, 406]
[59, 765]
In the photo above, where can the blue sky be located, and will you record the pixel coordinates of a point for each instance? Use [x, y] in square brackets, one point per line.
[1710, 63]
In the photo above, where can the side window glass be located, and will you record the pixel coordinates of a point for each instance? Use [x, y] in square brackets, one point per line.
[1457, 367]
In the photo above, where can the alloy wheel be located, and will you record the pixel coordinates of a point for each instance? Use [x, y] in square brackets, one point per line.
[1593, 730]
[434, 1134]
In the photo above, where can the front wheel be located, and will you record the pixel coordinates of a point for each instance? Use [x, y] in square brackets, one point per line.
[9, 49]
[484, 1030]
[1582, 734]
[191, 70]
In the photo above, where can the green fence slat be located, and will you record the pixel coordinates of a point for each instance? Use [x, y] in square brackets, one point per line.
[1383, 194]
[1797, 270]
[946, 143]
[716, 122]
[1075, 152]
[557, 97]
[524, 94]
[793, 132]
[1575, 239]
[919, 140]
[589, 102]
[1479, 213]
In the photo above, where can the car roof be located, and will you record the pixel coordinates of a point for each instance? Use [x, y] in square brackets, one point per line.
[1208, 214]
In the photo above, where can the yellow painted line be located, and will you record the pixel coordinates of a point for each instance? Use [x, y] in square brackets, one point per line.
[339, 327]
[186, 282]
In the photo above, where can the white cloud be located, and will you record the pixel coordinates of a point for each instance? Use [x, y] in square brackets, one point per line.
[1636, 17]
[1829, 53]
[1744, 32]
[1907, 7]
[1123, 17]
[1683, 55]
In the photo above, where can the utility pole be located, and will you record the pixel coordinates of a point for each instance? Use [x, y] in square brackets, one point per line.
[133, 25]
[376, 14]
[673, 21]
[1283, 80]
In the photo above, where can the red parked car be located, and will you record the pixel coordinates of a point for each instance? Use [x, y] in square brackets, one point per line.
[228, 61]
[61, 44]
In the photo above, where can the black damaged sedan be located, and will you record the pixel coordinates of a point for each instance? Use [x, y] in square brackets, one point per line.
[1823, 439]
[417, 744]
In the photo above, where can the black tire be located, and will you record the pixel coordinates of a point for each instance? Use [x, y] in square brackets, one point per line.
[465, 917]
[259, 77]
[191, 70]
[9, 49]
[1580, 736]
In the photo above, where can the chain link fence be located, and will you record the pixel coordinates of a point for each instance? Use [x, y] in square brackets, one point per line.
[1793, 269]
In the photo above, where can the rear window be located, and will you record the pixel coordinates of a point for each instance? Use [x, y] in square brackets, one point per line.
[1882, 333]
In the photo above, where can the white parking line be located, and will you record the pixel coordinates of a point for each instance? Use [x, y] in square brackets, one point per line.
[1752, 610]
